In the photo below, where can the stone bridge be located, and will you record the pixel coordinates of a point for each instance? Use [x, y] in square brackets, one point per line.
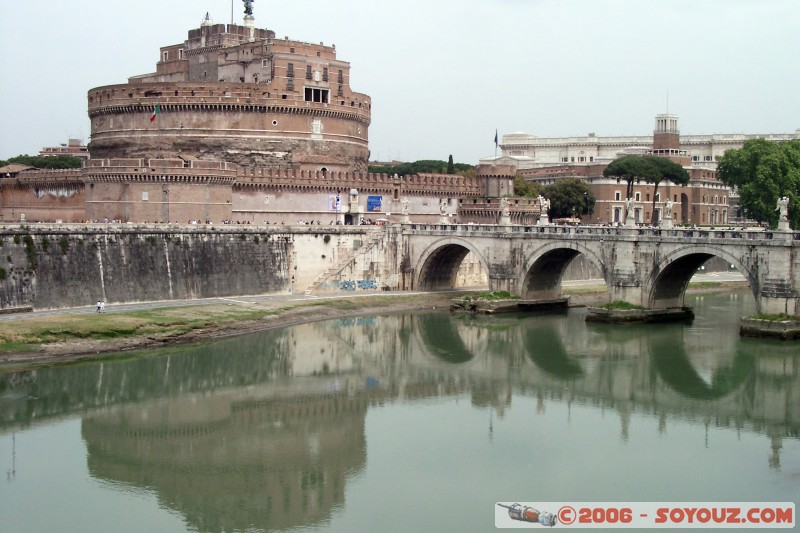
[641, 266]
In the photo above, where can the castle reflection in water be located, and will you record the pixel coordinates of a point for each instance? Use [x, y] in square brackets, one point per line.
[265, 430]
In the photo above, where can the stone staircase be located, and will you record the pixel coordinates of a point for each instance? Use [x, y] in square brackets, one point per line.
[344, 261]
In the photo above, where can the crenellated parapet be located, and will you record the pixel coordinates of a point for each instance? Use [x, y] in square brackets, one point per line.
[49, 178]
[523, 211]
[159, 171]
[427, 185]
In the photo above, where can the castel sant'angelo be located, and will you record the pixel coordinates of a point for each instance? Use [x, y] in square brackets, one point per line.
[238, 125]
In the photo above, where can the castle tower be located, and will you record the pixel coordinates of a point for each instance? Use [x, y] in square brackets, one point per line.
[237, 94]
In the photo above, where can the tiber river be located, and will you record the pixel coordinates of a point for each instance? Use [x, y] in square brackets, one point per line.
[409, 422]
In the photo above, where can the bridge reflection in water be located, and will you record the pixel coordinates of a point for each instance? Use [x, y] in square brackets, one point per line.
[266, 430]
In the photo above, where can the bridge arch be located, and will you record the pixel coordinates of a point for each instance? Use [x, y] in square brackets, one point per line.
[544, 269]
[667, 283]
[438, 264]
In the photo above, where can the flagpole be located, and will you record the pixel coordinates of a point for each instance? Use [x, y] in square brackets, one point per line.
[495, 148]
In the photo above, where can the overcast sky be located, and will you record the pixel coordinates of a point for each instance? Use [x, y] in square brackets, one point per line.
[443, 74]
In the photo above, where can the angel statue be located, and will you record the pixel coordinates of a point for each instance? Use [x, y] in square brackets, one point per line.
[544, 204]
[783, 207]
[248, 7]
[504, 210]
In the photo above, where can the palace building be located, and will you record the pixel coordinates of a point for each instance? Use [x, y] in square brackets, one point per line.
[704, 201]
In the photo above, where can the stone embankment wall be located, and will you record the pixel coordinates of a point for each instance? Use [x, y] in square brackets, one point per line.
[53, 266]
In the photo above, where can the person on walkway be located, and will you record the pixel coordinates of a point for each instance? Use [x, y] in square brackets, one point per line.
[99, 305]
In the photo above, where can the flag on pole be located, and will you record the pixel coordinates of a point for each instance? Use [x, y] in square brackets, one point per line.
[156, 111]
[495, 138]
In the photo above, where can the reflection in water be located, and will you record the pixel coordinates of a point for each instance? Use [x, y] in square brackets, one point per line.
[544, 347]
[674, 367]
[227, 462]
[441, 337]
[267, 431]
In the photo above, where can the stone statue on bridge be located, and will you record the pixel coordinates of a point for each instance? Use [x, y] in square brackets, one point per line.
[248, 7]
[443, 207]
[783, 207]
[666, 218]
[544, 207]
[504, 209]
[783, 216]
[630, 214]
[404, 205]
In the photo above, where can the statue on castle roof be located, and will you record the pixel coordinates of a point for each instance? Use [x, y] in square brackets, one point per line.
[248, 7]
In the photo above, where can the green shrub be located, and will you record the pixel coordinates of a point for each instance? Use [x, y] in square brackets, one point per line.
[30, 251]
[2, 273]
[620, 305]
[64, 243]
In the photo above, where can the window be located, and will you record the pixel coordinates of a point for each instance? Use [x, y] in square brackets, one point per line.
[638, 197]
[340, 92]
[291, 50]
[658, 197]
[180, 53]
[617, 196]
[308, 72]
[316, 95]
[647, 197]
[675, 198]
[581, 159]
[145, 196]
[165, 57]
[708, 158]
[289, 85]
[341, 77]
[591, 159]
[290, 70]
[264, 63]
[324, 73]
[617, 214]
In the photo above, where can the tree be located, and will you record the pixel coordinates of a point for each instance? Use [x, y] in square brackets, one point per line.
[629, 168]
[666, 169]
[633, 168]
[763, 171]
[425, 166]
[61, 161]
[525, 188]
[569, 197]
[450, 167]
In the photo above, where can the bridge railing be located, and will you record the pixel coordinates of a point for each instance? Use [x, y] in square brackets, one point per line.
[563, 230]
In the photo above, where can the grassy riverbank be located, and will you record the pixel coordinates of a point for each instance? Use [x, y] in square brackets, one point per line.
[37, 339]
[33, 339]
